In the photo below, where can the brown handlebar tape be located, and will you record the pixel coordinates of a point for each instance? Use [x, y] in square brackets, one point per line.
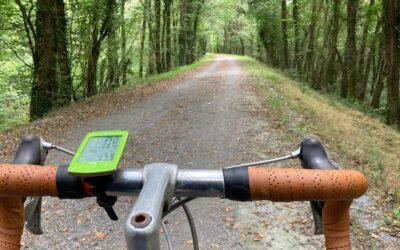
[27, 180]
[336, 221]
[17, 181]
[283, 184]
[337, 187]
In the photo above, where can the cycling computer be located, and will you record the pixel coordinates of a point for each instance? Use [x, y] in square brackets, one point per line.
[99, 153]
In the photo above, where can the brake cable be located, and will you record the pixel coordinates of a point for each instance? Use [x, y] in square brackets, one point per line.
[292, 155]
[189, 216]
[49, 146]
[166, 235]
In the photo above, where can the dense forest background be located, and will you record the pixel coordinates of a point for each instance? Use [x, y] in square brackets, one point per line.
[54, 52]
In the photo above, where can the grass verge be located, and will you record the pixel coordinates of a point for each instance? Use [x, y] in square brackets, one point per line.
[359, 139]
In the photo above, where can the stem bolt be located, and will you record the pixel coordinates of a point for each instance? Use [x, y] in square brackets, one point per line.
[141, 220]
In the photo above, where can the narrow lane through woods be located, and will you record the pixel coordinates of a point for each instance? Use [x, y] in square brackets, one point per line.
[209, 119]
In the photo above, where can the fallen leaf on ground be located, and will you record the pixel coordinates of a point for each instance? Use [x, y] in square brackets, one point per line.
[265, 223]
[101, 235]
[258, 237]
[227, 219]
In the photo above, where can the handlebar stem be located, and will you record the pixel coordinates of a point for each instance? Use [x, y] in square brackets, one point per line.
[143, 223]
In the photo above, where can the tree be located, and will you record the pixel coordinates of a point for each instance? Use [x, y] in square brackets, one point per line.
[392, 52]
[96, 38]
[349, 82]
[309, 66]
[44, 87]
[157, 31]
[151, 45]
[64, 93]
[296, 24]
[378, 81]
[361, 84]
[47, 39]
[112, 49]
[168, 56]
[365, 72]
[124, 61]
[143, 37]
[285, 46]
[330, 72]
[183, 7]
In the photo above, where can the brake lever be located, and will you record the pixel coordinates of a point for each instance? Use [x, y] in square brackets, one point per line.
[316, 209]
[313, 156]
[33, 205]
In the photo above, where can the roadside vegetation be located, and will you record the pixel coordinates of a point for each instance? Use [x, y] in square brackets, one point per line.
[357, 138]
[53, 53]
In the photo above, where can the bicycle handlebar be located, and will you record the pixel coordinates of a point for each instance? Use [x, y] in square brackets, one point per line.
[337, 187]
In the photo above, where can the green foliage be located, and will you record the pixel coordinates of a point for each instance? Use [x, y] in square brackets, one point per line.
[16, 63]
[228, 28]
[15, 68]
[361, 140]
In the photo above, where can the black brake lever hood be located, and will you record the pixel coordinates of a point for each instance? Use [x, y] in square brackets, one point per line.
[313, 156]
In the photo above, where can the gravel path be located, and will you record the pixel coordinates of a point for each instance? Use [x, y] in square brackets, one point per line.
[209, 119]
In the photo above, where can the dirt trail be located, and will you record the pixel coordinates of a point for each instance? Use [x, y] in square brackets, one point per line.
[210, 119]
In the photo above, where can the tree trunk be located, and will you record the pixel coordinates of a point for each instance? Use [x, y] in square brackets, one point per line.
[195, 28]
[45, 87]
[151, 45]
[318, 72]
[64, 64]
[285, 46]
[378, 82]
[296, 24]
[93, 56]
[361, 57]
[183, 31]
[102, 80]
[311, 45]
[124, 63]
[392, 18]
[96, 38]
[142, 39]
[349, 83]
[241, 46]
[330, 72]
[366, 70]
[112, 53]
[189, 31]
[167, 6]
[157, 33]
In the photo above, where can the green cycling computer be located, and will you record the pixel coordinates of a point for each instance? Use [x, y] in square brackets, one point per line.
[99, 153]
